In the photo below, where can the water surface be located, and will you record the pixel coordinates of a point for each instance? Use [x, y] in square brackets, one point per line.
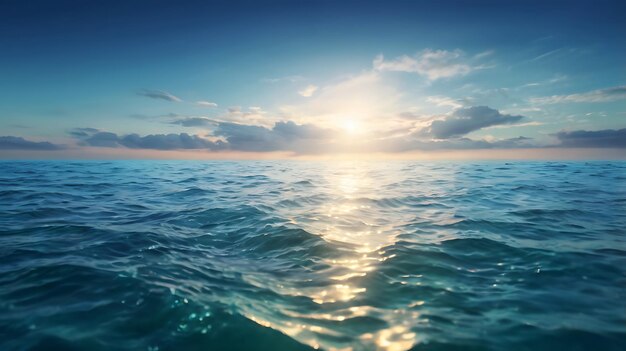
[153, 255]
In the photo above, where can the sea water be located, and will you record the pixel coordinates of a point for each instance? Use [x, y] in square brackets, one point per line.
[295, 255]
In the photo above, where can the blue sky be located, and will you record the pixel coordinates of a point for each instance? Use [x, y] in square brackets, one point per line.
[87, 79]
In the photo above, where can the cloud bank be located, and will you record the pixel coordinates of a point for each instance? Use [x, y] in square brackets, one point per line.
[19, 143]
[284, 136]
[440, 133]
[608, 138]
[172, 141]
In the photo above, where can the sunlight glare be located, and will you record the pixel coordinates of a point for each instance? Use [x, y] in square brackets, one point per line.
[350, 126]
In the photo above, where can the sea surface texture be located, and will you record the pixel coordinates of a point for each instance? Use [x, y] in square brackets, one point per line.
[290, 255]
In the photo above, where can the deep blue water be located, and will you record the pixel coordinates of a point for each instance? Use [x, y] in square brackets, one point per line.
[143, 255]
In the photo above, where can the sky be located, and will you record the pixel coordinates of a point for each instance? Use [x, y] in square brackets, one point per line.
[312, 79]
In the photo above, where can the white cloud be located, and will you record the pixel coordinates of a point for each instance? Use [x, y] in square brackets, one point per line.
[308, 91]
[484, 54]
[434, 64]
[206, 104]
[600, 95]
[444, 101]
[253, 114]
[545, 54]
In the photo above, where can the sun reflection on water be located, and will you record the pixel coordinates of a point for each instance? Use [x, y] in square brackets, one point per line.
[350, 222]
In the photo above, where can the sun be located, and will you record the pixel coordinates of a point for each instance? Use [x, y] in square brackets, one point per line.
[350, 126]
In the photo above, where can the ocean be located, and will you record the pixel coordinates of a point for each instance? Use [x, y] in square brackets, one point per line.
[299, 255]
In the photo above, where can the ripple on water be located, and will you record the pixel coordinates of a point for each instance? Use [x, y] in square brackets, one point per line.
[300, 255]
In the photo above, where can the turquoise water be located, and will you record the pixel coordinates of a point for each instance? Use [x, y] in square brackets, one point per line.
[142, 255]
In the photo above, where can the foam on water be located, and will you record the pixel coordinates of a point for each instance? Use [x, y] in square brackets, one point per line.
[298, 255]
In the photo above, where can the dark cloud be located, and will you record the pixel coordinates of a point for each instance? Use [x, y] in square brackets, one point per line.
[168, 142]
[158, 94]
[19, 143]
[284, 136]
[82, 132]
[466, 120]
[608, 138]
[151, 141]
[101, 139]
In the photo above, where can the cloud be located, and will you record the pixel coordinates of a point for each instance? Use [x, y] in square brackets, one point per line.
[545, 54]
[19, 143]
[158, 94]
[101, 139]
[20, 126]
[149, 117]
[608, 138]
[291, 79]
[251, 115]
[484, 54]
[444, 101]
[434, 64]
[366, 99]
[284, 136]
[416, 143]
[206, 104]
[168, 142]
[151, 141]
[308, 91]
[600, 95]
[467, 120]
[193, 121]
[82, 132]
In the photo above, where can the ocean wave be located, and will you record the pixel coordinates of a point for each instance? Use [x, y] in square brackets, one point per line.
[296, 256]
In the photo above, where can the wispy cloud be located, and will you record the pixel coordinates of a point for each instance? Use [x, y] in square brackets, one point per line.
[206, 104]
[291, 79]
[433, 64]
[152, 117]
[159, 95]
[484, 54]
[545, 54]
[444, 101]
[193, 121]
[600, 95]
[308, 91]
[557, 78]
